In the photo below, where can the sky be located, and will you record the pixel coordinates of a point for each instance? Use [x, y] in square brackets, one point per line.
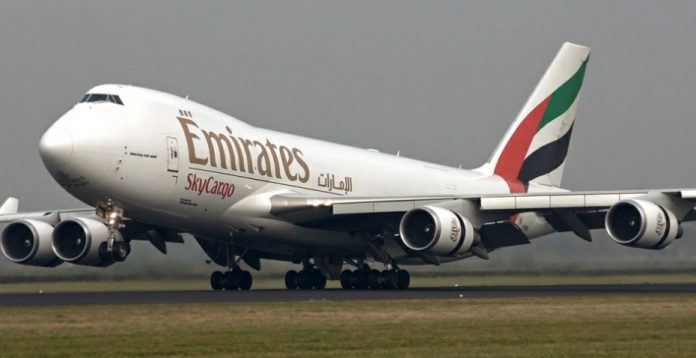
[436, 80]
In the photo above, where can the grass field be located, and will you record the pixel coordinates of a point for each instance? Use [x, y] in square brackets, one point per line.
[201, 283]
[608, 326]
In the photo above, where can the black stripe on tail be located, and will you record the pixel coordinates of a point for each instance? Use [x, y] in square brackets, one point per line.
[545, 159]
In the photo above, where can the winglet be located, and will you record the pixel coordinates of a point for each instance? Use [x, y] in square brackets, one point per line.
[10, 206]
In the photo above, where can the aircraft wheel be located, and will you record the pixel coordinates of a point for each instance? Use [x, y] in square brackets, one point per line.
[374, 281]
[216, 281]
[120, 251]
[230, 280]
[347, 279]
[318, 279]
[304, 280]
[389, 280]
[291, 280]
[403, 279]
[104, 253]
[360, 279]
[245, 280]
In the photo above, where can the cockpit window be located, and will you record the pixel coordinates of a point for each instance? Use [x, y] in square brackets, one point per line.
[97, 98]
[100, 97]
[115, 99]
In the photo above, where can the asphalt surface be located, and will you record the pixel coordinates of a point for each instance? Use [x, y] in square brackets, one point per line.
[278, 295]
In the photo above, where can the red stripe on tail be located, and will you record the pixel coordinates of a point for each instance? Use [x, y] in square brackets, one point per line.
[512, 156]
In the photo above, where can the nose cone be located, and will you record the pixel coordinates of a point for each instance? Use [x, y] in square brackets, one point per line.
[56, 147]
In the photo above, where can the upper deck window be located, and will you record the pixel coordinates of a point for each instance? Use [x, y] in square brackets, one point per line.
[100, 97]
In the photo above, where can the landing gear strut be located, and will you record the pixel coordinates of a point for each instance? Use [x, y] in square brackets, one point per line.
[233, 279]
[309, 278]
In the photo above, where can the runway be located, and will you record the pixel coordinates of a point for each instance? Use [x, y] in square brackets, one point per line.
[279, 295]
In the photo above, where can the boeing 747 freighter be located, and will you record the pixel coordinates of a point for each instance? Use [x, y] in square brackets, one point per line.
[154, 166]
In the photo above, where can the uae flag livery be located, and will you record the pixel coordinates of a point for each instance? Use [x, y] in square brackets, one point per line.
[535, 147]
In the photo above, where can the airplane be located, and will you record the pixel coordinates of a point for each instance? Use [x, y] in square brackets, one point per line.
[154, 166]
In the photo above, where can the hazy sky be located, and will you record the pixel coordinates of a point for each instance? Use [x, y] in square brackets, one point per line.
[437, 80]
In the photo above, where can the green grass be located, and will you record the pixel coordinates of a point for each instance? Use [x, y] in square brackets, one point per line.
[605, 326]
[265, 282]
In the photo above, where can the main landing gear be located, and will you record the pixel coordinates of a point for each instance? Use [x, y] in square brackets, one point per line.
[366, 278]
[309, 278]
[232, 280]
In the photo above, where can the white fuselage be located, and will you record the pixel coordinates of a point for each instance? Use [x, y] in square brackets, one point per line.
[172, 162]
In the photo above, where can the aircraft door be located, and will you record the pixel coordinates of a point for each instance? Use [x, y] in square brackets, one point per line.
[172, 155]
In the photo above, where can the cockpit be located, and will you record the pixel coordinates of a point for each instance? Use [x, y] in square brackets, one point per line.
[101, 97]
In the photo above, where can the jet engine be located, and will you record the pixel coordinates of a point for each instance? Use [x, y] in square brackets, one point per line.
[642, 223]
[29, 242]
[82, 241]
[437, 230]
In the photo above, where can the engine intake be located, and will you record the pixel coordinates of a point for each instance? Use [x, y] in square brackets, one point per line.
[642, 223]
[437, 230]
[82, 241]
[29, 242]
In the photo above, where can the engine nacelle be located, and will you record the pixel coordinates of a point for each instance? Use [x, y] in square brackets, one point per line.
[28, 242]
[642, 223]
[437, 230]
[82, 241]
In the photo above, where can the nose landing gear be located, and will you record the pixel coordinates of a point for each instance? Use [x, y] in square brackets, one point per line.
[116, 247]
[120, 250]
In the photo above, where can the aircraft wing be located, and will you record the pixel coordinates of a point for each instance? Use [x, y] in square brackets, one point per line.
[578, 212]
[50, 216]
[299, 208]
[158, 236]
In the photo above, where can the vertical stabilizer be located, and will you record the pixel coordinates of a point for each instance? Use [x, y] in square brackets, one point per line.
[534, 148]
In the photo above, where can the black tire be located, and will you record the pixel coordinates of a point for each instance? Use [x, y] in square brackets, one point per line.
[304, 280]
[230, 281]
[389, 282]
[360, 278]
[403, 279]
[291, 280]
[245, 280]
[347, 280]
[216, 281]
[104, 254]
[374, 281]
[318, 279]
[120, 251]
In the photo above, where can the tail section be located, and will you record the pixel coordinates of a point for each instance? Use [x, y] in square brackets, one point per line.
[535, 146]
